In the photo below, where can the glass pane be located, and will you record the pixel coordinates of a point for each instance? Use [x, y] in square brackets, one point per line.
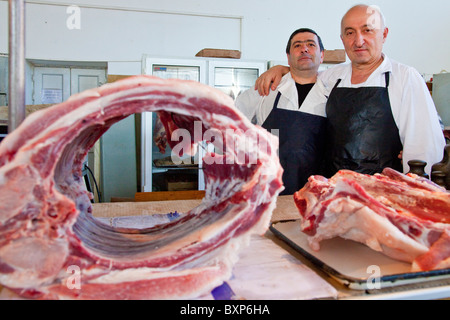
[87, 82]
[234, 81]
[177, 72]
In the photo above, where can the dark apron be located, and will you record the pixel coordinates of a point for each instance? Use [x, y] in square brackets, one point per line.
[301, 146]
[362, 133]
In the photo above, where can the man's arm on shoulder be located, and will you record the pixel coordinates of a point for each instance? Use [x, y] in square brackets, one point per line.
[270, 79]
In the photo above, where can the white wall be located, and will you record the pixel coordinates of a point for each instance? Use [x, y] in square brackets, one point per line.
[117, 30]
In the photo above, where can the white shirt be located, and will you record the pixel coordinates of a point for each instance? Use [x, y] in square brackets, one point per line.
[257, 108]
[412, 107]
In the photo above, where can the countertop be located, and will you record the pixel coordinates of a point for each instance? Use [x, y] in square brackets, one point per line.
[326, 286]
[258, 277]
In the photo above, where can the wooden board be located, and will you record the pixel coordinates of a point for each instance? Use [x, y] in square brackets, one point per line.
[334, 56]
[169, 195]
[125, 209]
[219, 53]
[115, 77]
[181, 201]
[4, 110]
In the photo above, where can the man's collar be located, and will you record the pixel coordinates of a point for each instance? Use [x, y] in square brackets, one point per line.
[385, 66]
[288, 89]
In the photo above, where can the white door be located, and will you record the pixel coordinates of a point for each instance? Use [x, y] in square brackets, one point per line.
[57, 84]
[51, 85]
[83, 79]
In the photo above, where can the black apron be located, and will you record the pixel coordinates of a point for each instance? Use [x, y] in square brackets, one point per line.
[301, 137]
[362, 133]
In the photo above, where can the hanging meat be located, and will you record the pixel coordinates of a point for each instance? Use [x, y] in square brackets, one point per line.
[51, 246]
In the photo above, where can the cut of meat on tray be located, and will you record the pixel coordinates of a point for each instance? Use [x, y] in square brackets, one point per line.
[405, 217]
[51, 246]
[438, 257]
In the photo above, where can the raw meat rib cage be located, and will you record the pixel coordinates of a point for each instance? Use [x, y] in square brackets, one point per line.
[51, 246]
[406, 217]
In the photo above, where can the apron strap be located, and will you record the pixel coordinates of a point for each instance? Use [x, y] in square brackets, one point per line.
[277, 99]
[337, 83]
[386, 77]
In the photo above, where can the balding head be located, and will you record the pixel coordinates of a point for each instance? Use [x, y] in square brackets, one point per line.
[373, 14]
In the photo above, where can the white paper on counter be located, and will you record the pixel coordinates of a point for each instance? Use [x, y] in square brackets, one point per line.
[265, 271]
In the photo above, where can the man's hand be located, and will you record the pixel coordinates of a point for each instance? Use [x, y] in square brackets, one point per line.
[270, 79]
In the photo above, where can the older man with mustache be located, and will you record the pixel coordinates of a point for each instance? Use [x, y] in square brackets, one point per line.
[376, 107]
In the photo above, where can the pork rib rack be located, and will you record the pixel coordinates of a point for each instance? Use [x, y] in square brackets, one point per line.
[51, 246]
[403, 216]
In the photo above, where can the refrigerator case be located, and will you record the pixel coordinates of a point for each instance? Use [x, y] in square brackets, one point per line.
[157, 169]
[228, 75]
[441, 96]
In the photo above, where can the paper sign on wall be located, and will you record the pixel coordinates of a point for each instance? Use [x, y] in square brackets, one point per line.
[51, 96]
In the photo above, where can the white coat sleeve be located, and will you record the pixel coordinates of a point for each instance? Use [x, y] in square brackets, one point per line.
[248, 102]
[419, 127]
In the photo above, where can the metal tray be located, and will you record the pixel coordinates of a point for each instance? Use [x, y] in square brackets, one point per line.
[351, 263]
